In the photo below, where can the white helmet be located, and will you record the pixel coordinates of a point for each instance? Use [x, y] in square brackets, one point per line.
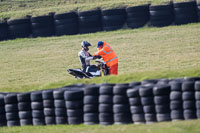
[85, 44]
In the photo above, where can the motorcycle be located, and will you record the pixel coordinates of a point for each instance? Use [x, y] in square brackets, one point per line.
[91, 71]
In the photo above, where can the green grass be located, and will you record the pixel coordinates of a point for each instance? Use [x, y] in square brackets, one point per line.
[167, 127]
[19, 8]
[41, 63]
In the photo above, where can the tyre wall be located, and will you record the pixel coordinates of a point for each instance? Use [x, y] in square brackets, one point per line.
[149, 101]
[72, 23]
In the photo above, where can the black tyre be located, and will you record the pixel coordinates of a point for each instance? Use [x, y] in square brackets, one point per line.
[24, 122]
[176, 86]
[162, 109]
[47, 95]
[106, 99]
[92, 90]
[89, 108]
[189, 105]
[121, 108]
[37, 113]
[134, 84]
[120, 89]
[177, 115]
[36, 96]
[75, 120]
[197, 83]
[50, 120]
[161, 90]
[147, 100]
[24, 97]
[10, 99]
[118, 99]
[138, 118]
[136, 109]
[106, 90]
[60, 112]
[163, 117]
[59, 104]
[13, 123]
[150, 117]
[106, 118]
[188, 96]
[91, 99]
[11, 108]
[49, 112]
[4, 33]
[189, 114]
[74, 104]
[188, 86]
[176, 105]
[61, 120]
[37, 105]
[149, 109]
[24, 106]
[71, 95]
[19, 30]
[176, 95]
[135, 101]
[131, 93]
[12, 116]
[48, 103]
[146, 91]
[105, 108]
[75, 113]
[25, 114]
[122, 118]
[197, 95]
[58, 94]
[91, 118]
[161, 100]
[37, 121]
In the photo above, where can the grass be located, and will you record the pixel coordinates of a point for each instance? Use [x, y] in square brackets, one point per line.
[191, 126]
[19, 8]
[41, 63]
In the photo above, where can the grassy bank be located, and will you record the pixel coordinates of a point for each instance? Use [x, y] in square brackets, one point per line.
[39, 63]
[20, 8]
[172, 127]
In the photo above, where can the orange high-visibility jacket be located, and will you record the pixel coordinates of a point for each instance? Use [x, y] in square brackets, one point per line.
[108, 55]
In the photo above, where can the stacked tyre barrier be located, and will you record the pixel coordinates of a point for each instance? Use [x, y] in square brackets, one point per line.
[74, 104]
[66, 24]
[72, 23]
[121, 110]
[137, 16]
[90, 21]
[161, 15]
[148, 101]
[25, 110]
[48, 104]
[198, 11]
[105, 107]
[91, 104]
[113, 19]
[176, 104]
[197, 97]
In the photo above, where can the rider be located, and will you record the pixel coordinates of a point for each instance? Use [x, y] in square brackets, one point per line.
[84, 55]
[109, 56]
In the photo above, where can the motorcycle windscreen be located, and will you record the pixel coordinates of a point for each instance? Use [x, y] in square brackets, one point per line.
[93, 70]
[78, 73]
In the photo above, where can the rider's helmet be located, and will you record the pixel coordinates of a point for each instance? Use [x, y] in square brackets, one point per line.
[85, 44]
[100, 43]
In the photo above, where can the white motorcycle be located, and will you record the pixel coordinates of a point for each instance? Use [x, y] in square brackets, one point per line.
[91, 71]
